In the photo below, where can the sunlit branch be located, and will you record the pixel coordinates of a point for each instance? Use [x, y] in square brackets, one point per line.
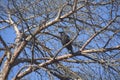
[97, 33]
[59, 58]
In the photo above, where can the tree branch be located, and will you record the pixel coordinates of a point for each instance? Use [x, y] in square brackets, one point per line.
[97, 33]
[78, 53]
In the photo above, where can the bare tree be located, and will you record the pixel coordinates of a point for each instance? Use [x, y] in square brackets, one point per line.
[30, 43]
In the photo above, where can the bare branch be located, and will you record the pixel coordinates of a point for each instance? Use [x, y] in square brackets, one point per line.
[69, 56]
[60, 11]
[8, 52]
[75, 5]
[100, 50]
[97, 33]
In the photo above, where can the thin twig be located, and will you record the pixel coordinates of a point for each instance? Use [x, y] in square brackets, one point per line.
[97, 33]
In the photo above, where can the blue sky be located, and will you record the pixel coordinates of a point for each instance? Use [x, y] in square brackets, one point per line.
[9, 36]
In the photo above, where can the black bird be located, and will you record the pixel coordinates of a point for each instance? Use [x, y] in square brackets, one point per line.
[64, 40]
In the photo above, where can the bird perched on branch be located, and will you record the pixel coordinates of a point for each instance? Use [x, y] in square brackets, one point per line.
[66, 39]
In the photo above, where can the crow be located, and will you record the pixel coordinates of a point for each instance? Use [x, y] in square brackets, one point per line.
[64, 40]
